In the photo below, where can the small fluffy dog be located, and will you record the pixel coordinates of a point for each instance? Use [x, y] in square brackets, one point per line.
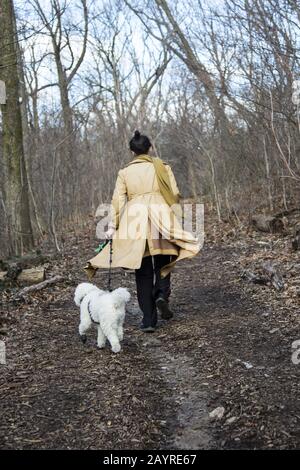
[105, 309]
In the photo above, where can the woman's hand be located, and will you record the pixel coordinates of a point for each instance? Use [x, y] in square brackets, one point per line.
[109, 234]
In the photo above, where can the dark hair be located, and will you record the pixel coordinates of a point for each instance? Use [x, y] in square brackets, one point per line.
[139, 143]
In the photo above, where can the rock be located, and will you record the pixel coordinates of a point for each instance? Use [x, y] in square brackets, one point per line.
[267, 223]
[217, 413]
[248, 365]
[231, 420]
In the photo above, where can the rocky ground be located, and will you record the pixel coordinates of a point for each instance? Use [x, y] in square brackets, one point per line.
[228, 348]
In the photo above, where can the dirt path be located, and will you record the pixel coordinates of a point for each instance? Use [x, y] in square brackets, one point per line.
[222, 349]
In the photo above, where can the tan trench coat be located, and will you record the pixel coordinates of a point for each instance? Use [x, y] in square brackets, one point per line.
[145, 223]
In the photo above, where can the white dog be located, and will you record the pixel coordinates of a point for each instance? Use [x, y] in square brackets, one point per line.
[106, 309]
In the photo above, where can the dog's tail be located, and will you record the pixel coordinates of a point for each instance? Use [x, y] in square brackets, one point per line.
[121, 296]
[82, 290]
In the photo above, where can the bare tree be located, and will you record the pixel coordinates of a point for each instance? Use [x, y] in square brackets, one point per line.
[15, 179]
[61, 39]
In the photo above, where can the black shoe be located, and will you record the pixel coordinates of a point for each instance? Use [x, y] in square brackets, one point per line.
[147, 329]
[163, 308]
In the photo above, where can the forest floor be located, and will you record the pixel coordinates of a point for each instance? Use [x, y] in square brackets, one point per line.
[229, 345]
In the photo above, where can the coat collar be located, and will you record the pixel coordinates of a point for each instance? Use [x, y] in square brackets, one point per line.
[139, 159]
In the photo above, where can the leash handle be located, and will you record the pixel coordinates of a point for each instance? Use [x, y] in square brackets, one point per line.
[110, 263]
[101, 246]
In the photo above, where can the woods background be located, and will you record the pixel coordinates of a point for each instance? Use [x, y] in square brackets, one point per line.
[213, 84]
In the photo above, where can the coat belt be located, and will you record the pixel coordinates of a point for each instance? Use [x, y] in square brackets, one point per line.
[132, 196]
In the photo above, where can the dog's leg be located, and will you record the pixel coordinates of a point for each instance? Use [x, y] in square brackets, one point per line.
[82, 332]
[112, 337]
[101, 338]
[120, 332]
[85, 322]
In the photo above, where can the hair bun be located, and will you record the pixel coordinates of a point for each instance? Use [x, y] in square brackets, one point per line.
[137, 134]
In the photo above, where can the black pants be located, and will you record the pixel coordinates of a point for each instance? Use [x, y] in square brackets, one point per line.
[150, 286]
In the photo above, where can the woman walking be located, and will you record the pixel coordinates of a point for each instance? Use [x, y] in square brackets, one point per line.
[146, 233]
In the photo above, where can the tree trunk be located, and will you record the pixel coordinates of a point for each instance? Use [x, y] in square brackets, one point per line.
[27, 276]
[68, 154]
[16, 184]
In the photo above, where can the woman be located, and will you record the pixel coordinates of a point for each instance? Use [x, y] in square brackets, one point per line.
[146, 234]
